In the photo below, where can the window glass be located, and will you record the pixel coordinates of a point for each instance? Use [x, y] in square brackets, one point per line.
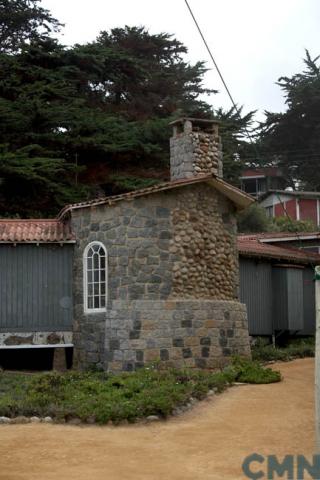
[94, 264]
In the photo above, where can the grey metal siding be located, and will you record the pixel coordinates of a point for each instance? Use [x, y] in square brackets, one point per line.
[280, 299]
[288, 298]
[309, 308]
[35, 287]
[295, 299]
[256, 293]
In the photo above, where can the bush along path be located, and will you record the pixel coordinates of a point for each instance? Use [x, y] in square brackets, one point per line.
[263, 351]
[99, 397]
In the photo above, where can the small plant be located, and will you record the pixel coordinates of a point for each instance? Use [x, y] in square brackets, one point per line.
[248, 371]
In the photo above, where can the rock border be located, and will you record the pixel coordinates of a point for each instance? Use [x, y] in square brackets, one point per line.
[21, 419]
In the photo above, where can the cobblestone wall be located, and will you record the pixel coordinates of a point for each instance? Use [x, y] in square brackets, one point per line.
[203, 242]
[195, 153]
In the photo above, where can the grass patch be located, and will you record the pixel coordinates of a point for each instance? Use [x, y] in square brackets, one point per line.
[298, 348]
[126, 396]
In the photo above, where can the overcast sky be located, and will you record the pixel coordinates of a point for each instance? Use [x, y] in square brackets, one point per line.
[254, 42]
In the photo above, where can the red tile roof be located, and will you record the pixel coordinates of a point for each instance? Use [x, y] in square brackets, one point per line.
[239, 197]
[35, 231]
[253, 247]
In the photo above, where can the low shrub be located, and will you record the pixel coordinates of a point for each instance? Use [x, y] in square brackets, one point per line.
[248, 371]
[125, 396]
[297, 348]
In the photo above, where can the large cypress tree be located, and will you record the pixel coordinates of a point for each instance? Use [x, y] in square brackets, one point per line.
[22, 21]
[91, 119]
[103, 106]
[292, 139]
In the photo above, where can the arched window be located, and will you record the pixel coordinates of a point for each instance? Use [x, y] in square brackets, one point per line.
[95, 277]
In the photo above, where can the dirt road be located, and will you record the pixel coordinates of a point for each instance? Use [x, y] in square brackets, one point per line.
[209, 442]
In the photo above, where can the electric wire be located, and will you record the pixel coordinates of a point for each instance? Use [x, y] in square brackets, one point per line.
[236, 109]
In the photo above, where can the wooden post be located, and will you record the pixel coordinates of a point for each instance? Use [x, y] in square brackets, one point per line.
[317, 358]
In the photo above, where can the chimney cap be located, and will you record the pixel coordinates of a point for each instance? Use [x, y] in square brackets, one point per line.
[195, 121]
[189, 124]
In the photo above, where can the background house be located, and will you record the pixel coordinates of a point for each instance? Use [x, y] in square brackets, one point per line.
[295, 204]
[257, 181]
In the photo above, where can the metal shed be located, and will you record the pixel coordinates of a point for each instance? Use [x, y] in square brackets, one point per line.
[35, 284]
[276, 284]
[287, 298]
[256, 292]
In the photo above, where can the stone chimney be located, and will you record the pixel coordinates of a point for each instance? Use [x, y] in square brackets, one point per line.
[195, 148]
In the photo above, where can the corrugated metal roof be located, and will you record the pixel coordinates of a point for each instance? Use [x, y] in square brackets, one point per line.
[253, 247]
[266, 172]
[281, 236]
[35, 231]
[237, 196]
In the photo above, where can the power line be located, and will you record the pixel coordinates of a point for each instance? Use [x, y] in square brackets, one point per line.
[212, 58]
[235, 106]
[219, 72]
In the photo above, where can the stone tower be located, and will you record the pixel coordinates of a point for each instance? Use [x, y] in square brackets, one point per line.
[195, 148]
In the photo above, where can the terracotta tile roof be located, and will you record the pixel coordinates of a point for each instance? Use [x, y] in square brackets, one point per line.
[35, 231]
[237, 196]
[253, 247]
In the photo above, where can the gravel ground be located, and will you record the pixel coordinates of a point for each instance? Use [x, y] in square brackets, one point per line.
[208, 442]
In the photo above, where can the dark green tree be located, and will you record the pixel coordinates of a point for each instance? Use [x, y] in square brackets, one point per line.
[238, 142]
[143, 75]
[292, 139]
[22, 21]
[100, 107]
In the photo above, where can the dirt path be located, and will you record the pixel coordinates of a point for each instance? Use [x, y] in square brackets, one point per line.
[210, 442]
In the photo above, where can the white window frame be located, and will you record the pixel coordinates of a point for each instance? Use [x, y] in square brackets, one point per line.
[85, 279]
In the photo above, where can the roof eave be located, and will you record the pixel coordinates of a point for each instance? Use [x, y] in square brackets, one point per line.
[297, 261]
[240, 199]
[237, 196]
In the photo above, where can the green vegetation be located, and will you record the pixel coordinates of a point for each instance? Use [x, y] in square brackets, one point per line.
[251, 371]
[255, 220]
[129, 183]
[263, 351]
[23, 20]
[68, 112]
[65, 110]
[285, 224]
[127, 396]
[291, 139]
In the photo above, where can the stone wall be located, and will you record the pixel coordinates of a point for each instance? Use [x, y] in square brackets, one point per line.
[204, 245]
[195, 153]
[180, 333]
[175, 244]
